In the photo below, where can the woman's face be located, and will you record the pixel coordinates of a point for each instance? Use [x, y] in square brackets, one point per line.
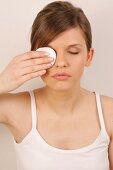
[72, 57]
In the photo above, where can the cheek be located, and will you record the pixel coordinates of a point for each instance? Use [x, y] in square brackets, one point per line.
[78, 68]
[78, 64]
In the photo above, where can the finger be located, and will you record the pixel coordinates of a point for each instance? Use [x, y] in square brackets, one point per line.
[32, 75]
[32, 69]
[32, 55]
[35, 62]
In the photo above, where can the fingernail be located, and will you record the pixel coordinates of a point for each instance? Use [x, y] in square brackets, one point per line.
[45, 53]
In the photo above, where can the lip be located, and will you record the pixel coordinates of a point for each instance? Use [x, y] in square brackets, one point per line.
[61, 76]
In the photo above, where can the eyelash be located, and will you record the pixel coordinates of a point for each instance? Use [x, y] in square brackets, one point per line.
[74, 53]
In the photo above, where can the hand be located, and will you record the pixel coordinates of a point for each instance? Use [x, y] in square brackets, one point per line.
[23, 68]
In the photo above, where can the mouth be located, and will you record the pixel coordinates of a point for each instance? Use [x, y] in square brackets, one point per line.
[61, 76]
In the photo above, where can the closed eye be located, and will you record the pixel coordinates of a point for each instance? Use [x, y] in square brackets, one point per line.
[74, 52]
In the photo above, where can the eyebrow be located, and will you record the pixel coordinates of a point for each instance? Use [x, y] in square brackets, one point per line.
[72, 45]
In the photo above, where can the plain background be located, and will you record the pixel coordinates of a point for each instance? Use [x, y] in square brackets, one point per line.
[16, 18]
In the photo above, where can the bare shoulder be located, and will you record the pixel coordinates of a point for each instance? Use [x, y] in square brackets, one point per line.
[107, 108]
[12, 105]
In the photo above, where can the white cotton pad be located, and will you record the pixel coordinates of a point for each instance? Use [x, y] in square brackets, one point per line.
[51, 52]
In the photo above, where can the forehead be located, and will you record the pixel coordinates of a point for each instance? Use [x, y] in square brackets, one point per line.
[71, 36]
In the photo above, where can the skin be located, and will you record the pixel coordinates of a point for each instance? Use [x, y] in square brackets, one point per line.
[67, 93]
[62, 106]
[66, 101]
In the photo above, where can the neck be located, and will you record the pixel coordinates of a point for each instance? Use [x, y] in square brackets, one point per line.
[63, 102]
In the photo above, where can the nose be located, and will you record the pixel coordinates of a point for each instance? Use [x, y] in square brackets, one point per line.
[61, 61]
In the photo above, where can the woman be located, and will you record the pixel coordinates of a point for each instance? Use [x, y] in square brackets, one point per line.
[60, 126]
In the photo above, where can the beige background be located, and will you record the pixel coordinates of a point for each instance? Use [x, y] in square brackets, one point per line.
[16, 18]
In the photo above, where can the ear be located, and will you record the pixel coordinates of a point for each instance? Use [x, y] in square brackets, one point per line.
[89, 57]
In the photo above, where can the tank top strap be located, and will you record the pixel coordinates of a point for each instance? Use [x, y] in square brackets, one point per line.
[33, 109]
[34, 117]
[100, 113]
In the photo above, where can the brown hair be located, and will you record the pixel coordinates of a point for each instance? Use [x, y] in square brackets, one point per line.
[56, 18]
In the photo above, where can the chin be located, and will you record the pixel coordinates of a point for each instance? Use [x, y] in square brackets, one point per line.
[59, 86]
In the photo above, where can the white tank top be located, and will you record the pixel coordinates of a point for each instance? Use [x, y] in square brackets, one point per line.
[33, 153]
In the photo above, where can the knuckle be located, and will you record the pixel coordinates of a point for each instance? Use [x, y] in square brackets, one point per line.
[29, 53]
[15, 65]
[16, 58]
[15, 61]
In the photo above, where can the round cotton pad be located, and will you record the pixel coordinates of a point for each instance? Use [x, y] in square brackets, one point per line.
[51, 52]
